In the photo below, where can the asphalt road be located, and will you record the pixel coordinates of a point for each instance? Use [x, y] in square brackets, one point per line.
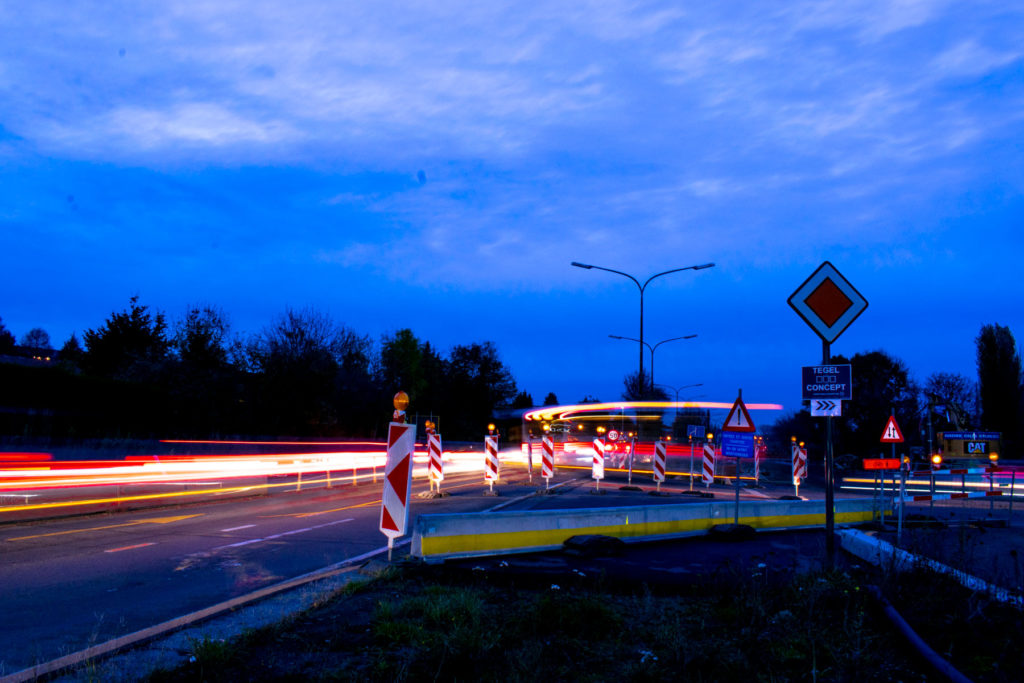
[71, 583]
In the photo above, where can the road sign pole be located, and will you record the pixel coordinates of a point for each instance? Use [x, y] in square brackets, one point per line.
[691, 463]
[830, 513]
[633, 447]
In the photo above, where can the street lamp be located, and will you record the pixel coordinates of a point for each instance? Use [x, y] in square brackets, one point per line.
[675, 418]
[652, 348]
[642, 287]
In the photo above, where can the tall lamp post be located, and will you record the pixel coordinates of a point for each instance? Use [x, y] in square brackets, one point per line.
[642, 288]
[652, 348]
[685, 386]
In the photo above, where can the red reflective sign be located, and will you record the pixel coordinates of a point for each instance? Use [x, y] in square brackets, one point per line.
[881, 463]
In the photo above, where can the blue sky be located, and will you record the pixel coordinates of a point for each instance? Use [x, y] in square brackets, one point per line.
[438, 165]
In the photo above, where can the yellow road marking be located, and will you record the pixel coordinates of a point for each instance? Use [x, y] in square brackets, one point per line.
[129, 547]
[151, 520]
[347, 507]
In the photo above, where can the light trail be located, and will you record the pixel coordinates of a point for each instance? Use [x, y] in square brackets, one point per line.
[553, 413]
[57, 485]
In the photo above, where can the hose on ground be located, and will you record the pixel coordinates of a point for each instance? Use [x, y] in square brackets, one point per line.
[934, 659]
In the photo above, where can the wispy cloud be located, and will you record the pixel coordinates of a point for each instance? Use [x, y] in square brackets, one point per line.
[543, 130]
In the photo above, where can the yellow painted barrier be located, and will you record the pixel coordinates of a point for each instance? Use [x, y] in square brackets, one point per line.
[442, 536]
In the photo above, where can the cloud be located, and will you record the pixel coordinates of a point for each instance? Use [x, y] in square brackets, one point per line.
[968, 58]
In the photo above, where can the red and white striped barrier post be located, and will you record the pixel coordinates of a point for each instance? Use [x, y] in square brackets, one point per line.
[394, 502]
[547, 463]
[659, 464]
[491, 461]
[799, 467]
[708, 465]
[597, 469]
[760, 451]
[435, 471]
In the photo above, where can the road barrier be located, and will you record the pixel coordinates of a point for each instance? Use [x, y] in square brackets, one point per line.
[443, 536]
[708, 465]
[930, 486]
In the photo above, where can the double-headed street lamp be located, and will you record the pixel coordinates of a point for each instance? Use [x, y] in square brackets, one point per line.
[685, 386]
[652, 348]
[642, 287]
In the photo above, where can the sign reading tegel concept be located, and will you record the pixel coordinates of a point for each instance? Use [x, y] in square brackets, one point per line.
[827, 381]
[737, 444]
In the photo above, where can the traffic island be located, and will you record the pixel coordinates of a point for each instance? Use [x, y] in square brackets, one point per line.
[438, 537]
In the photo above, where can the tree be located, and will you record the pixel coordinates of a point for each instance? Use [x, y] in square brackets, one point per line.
[131, 344]
[551, 399]
[952, 396]
[639, 388]
[305, 363]
[71, 353]
[201, 337]
[999, 382]
[6, 338]
[401, 364]
[478, 382]
[881, 383]
[522, 400]
[36, 338]
[806, 429]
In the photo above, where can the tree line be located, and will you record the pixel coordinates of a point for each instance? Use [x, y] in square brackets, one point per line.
[304, 375]
[883, 385]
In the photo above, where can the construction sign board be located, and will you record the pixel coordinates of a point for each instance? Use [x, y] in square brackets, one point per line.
[737, 445]
[826, 407]
[881, 463]
[394, 504]
[892, 433]
[827, 381]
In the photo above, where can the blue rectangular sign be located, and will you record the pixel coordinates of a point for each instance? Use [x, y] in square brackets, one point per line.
[827, 381]
[737, 444]
[973, 436]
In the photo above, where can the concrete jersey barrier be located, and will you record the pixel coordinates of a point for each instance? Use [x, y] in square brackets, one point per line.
[441, 536]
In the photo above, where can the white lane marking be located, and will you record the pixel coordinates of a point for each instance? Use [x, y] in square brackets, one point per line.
[284, 533]
[238, 528]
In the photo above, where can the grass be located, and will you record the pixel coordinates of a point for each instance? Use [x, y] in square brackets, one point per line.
[427, 623]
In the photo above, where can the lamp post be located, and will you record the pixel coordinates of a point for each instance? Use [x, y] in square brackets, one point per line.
[652, 348]
[642, 288]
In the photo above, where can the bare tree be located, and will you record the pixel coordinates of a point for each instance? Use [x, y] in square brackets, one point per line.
[952, 394]
[36, 338]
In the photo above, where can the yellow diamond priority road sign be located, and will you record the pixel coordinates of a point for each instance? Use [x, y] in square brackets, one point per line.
[828, 302]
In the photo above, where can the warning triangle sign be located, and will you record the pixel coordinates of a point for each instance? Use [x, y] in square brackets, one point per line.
[738, 419]
[892, 433]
